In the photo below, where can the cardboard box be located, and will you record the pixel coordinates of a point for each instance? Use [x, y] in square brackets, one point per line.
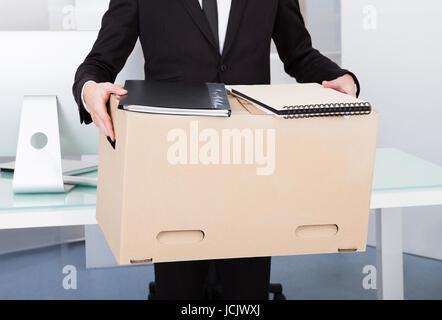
[179, 188]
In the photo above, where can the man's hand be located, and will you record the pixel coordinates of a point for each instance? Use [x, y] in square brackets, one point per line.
[96, 95]
[344, 84]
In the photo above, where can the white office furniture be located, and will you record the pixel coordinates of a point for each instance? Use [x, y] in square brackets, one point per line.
[401, 180]
[44, 63]
[394, 49]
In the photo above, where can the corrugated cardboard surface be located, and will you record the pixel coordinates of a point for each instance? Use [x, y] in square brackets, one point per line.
[316, 200]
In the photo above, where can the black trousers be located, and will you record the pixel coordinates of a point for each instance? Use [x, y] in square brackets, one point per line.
[240, 279]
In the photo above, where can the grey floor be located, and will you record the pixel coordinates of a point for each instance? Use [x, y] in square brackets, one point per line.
[38, 274]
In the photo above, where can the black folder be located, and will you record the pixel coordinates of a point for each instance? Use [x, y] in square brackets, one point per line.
[176, 98]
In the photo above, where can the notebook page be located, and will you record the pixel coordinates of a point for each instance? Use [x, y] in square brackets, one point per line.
[295, 94]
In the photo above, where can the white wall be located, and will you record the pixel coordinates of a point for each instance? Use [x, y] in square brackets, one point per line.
[52, 14]
[395, 48]
[24, 15]
[323, 21]
[88, 13]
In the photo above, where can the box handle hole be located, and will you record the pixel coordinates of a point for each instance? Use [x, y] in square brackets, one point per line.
[180, 237]
[317, 231]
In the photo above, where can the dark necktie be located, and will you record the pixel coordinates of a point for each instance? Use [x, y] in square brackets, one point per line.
[210, 8]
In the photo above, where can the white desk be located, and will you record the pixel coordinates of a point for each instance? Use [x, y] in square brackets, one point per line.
[400, 181]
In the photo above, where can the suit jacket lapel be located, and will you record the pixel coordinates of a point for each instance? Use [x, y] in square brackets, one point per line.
[194, 9]
[236, 13]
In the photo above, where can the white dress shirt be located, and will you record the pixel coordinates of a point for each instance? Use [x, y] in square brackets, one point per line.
[223, 21]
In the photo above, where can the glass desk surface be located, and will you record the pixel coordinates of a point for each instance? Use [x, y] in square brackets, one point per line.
[394, 171]
[78, 197]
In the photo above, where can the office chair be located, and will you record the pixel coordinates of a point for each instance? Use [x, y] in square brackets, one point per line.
[213, 288]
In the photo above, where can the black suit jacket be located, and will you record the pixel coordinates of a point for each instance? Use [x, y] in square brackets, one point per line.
[178, 44]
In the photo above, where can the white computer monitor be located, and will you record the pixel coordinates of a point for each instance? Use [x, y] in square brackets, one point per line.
[44, 63]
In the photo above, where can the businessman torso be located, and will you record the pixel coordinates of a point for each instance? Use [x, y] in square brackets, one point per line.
[179, 45]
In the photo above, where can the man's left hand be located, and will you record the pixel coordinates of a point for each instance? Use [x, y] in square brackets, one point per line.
[344, 84]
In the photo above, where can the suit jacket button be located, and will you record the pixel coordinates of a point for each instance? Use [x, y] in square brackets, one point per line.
[223, 68]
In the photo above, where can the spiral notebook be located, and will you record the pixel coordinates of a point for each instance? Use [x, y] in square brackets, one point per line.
[301, 100]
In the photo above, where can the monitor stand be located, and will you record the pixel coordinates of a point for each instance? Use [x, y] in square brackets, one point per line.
[38, 162]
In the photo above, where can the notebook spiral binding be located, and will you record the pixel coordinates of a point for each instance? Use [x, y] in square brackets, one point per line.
[327, 110]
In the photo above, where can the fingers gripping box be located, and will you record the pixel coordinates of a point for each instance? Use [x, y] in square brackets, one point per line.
[178, 188]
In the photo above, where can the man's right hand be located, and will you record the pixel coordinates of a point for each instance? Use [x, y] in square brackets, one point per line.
[95, 96]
